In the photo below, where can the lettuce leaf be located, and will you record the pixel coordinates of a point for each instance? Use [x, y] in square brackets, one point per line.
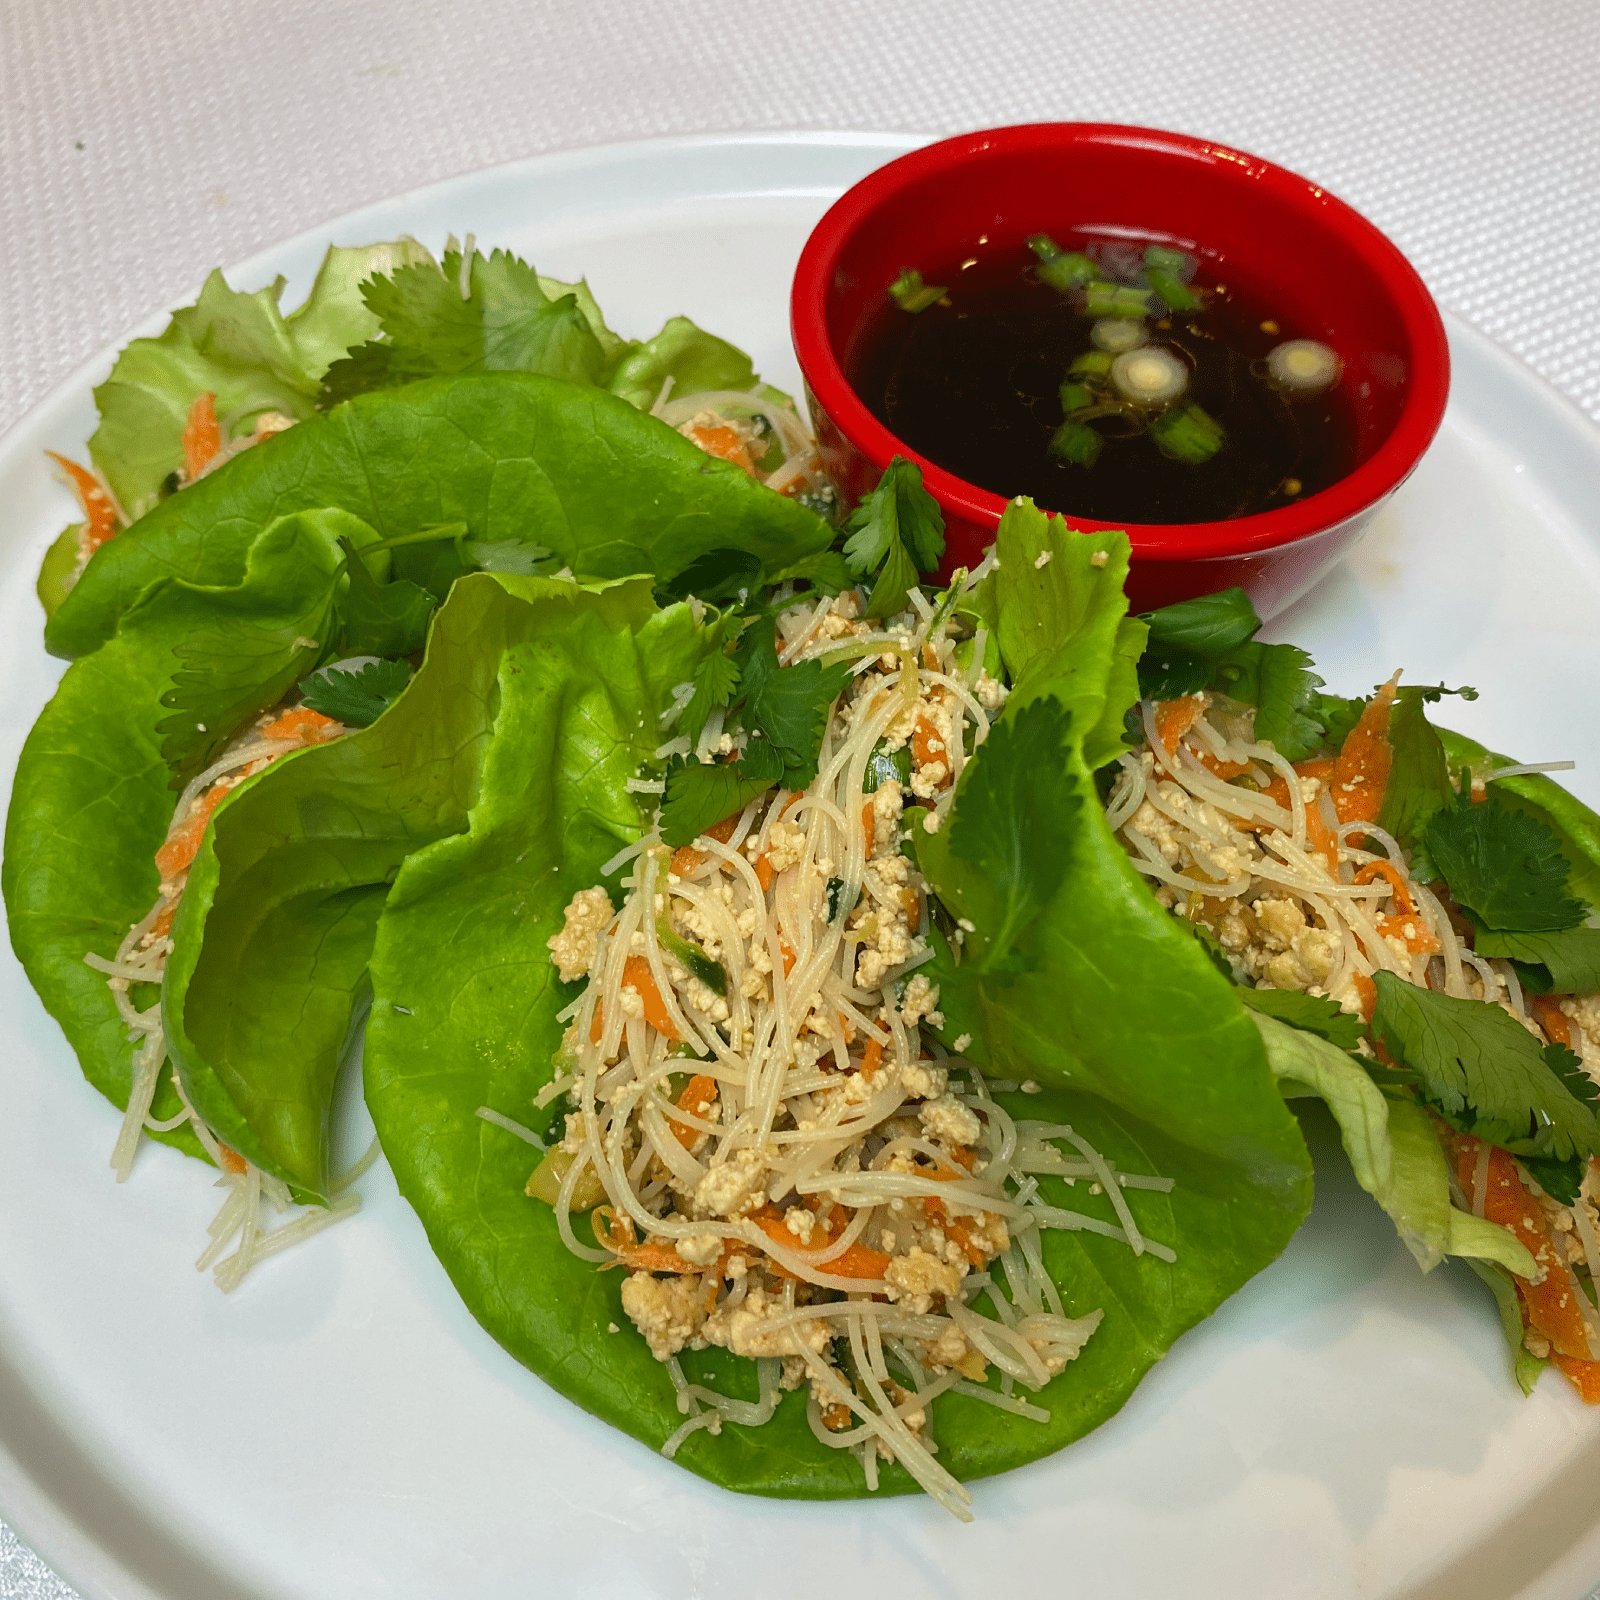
[513, 457]
[282, 904]
[242, 348]
[1394, 1152]
[91, 803]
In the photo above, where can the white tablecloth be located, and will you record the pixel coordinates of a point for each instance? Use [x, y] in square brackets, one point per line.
[144, 141]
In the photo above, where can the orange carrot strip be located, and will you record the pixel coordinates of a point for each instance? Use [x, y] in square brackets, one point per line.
[858, 1261]
[871, 1057]
[955, 1227]
[764, 873]
[789, 956]
[100, 515]
[687, 859]
[598, 1025]
[1174, 718]
[1361, 769]
[697, 1098]
[232, 1161]
[202, 438]
[1584, 1376]
[869, 827]
[636, 971]
[928, 746]
[1388, 871]
[178, 853]
[1368, 991]
[1550, 1306]
[726, 445]
[1548, 1014]
[1218, 768]
[301, 723]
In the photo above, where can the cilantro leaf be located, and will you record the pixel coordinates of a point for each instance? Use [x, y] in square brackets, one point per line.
[1013, 824]
[1484, 1072]
[791, 708]
[227, 674]
[1561, 1180]
[1310, 1013]
[1188, 639]
[428, 328]
[357, 697]
[714, 679]
[699, 795]
[717, 575]
[1337, 715]
[1278, 681]
[1560, 963]
[828, 572]
[1505, 867]
[511, 556]
[381, 619]
[898, 532]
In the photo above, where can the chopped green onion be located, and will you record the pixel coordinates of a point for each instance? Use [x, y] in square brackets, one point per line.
[1174, 291]
[1189, 434]
[1077, 444]
[1117, 334]
[1152, 377]
[1159, 258]
[836, 906]
[884, 764]
[1303, 365]
[1074, 397]
[1096, 363]
[1061, 269]
[910, 293]
[1115, 300]
[699, 965]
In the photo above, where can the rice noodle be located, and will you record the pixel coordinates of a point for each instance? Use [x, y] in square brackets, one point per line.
[836, 1164]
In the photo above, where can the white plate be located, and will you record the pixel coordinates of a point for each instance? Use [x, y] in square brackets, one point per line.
[1343, 1427]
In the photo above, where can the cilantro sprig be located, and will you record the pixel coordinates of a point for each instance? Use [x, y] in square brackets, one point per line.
[1482, 1071]
[783, 711]
[356, 696]
[897, 532]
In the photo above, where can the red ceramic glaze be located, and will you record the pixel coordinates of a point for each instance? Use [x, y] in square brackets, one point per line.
[1333, 274]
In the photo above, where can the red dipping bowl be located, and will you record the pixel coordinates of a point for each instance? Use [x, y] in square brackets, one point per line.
[1323, 268]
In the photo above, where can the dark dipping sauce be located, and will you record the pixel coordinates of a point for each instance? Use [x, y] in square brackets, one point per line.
[973, 383]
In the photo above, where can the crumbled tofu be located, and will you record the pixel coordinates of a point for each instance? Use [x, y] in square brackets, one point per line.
[947, 1118]
[923, 1080]
[785, 846]
[921, 1002]
[1042, 560]
[669, 1312]
[700, 1248]
[1098, 559]
[573, 948]
[916, 1279]
[732, 1187]
[747, 1330]
[800, 1223]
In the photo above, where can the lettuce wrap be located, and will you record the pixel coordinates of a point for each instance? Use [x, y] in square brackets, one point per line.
[468, 1020]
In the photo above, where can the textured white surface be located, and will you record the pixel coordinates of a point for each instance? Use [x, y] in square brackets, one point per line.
[143, 141]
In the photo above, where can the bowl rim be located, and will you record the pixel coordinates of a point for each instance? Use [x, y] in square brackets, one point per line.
[1422, 408]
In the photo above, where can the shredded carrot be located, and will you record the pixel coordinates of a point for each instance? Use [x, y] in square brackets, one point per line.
[202, 439]
[232, 1161]
[636, 972]
[957, 1228]
[725, 444]
[912, 902]
[871, 1057]
[687, 859]
[1278, 789]
[100, 514]
[1218, 768]
[764, 873]
[1548, 1014]
[1174, 718]
[930, 657]
[178, 853]
[1404, 923]
[302, 723]
[162, 926]
[787, 949]
[698, 1096]
[928, 746]
[598, 1026]
[846, 1027]
[1368, 991]
[1584, 1376]
[1361, 770]
[857, 1261]
[1550, 1306]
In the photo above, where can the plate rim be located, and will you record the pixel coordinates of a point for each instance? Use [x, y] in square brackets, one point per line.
[46, 1519]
